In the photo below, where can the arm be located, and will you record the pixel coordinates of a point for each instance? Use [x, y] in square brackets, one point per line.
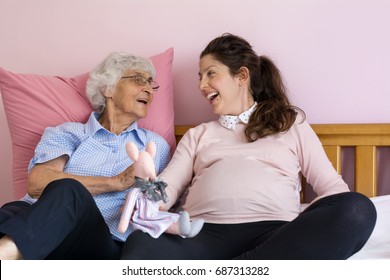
[315, 165]
[180, 170]
[44, 173]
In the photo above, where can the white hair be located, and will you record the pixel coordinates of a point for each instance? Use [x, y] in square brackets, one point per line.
[105, 75]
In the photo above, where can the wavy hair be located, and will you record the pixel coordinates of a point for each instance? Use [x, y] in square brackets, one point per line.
[274, 112]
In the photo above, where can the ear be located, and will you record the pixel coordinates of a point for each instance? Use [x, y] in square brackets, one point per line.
[109, 92]
[132, 151]
[151, 148]
[243, 75]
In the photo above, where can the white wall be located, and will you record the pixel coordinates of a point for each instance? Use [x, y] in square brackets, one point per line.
[334, 54]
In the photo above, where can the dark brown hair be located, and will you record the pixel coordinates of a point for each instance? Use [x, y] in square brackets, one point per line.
[274, 112]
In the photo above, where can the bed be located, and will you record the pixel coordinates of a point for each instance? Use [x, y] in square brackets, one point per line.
[33, 102]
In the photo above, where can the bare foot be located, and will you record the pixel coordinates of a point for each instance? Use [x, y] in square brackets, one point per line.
[8, 249]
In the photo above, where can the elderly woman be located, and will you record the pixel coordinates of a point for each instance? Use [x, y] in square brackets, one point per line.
[80, 173]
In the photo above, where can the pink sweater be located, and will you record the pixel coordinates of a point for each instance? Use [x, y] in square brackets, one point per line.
[233, 181]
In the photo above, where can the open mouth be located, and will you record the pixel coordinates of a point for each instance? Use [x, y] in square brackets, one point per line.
[212, 95]
[143, 101]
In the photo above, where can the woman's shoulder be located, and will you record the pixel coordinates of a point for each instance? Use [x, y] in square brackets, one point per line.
[197, 131]
[301, 129]
[78, 128]
[204, 126]
[300, 122]
[66, 128]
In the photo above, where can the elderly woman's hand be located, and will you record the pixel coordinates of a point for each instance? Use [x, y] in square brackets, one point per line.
[125, 179]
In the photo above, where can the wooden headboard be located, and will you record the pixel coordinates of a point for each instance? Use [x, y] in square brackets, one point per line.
[365, 138]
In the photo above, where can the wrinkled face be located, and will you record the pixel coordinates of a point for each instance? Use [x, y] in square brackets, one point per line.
[132, 97]
[218, 86]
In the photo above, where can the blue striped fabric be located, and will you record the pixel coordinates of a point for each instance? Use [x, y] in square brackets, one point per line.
[95, 151]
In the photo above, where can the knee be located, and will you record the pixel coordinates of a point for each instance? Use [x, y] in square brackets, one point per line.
[137, 245]
[360, 209]
[359, 203]
[67, 188]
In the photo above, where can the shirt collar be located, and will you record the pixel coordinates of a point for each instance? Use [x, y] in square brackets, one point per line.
[93, 126]
[230, 121]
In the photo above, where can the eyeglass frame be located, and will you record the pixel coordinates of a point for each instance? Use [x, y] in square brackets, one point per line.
[142, 81]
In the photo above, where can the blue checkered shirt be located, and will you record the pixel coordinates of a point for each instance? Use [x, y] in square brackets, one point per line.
[95, 151]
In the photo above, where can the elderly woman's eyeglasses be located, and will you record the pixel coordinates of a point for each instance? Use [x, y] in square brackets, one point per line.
[142, 81]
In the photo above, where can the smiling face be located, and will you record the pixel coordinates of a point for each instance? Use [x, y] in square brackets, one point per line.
[227, 94]
[130, 98]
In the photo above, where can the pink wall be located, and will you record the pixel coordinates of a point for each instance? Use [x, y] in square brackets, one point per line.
[333, 54]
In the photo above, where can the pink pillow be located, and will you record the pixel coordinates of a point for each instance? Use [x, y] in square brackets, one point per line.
[34, 102]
